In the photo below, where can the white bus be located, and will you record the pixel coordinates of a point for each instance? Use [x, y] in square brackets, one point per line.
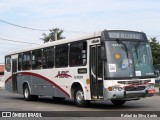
[111, 65]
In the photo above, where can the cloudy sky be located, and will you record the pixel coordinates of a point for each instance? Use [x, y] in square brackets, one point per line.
[75, 17]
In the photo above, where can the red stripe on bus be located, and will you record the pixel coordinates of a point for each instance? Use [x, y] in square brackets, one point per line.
[8, 79]
[42, 77]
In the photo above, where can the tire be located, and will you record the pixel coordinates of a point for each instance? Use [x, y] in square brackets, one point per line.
[27, 95]
[79, 98]
[118, 102]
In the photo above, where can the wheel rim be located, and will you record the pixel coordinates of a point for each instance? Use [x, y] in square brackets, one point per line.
[79, 96]
[26, 93]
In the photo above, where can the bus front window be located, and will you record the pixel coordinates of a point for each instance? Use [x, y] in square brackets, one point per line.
[128, 59]
[142, 58]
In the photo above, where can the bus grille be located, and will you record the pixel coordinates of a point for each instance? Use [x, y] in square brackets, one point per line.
[135, 88]
[135, 82]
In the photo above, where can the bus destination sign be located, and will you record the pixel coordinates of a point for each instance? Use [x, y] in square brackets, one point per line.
[125, 35]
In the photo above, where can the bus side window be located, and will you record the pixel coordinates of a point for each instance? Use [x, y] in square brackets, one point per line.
[37, 59]
[48, 57]
[61, 56]
[78, 54]
[26, 62]
[8, 63]
[20, 62]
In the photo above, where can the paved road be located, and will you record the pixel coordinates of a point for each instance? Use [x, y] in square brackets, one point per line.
[15, 102]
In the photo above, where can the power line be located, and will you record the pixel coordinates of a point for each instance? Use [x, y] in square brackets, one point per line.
[20, 26]
[12, 36]
[3, 21]
[4, 39]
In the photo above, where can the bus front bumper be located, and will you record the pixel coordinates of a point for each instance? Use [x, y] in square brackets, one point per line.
[128, 95]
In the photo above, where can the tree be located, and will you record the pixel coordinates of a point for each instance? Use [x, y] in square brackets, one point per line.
[52, 35]
[155, 47]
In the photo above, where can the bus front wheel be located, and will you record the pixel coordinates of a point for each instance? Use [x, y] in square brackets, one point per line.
[118, 102]
[79, 98]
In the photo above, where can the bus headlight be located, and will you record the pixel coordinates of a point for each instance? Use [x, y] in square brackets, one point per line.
[150, 86]
[115, 88]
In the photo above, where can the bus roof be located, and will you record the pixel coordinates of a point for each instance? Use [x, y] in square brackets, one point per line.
[58, 42]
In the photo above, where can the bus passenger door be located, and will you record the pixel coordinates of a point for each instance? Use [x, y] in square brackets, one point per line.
[96, 73]
[14, 75]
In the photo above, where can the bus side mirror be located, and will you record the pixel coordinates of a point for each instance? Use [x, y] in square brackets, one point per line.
[103, 53]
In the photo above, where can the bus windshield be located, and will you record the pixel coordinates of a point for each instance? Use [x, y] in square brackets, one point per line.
[128, 59]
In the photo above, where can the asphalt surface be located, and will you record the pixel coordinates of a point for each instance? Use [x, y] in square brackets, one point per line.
[15, 102]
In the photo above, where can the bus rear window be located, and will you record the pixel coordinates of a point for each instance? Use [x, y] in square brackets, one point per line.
[8, 63]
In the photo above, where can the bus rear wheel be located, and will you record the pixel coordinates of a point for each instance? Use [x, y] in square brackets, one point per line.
[27, 95]
[79, 98]
[118, 102]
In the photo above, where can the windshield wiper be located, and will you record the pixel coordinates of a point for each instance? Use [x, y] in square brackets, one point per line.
[136, 48]
[124, 46]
